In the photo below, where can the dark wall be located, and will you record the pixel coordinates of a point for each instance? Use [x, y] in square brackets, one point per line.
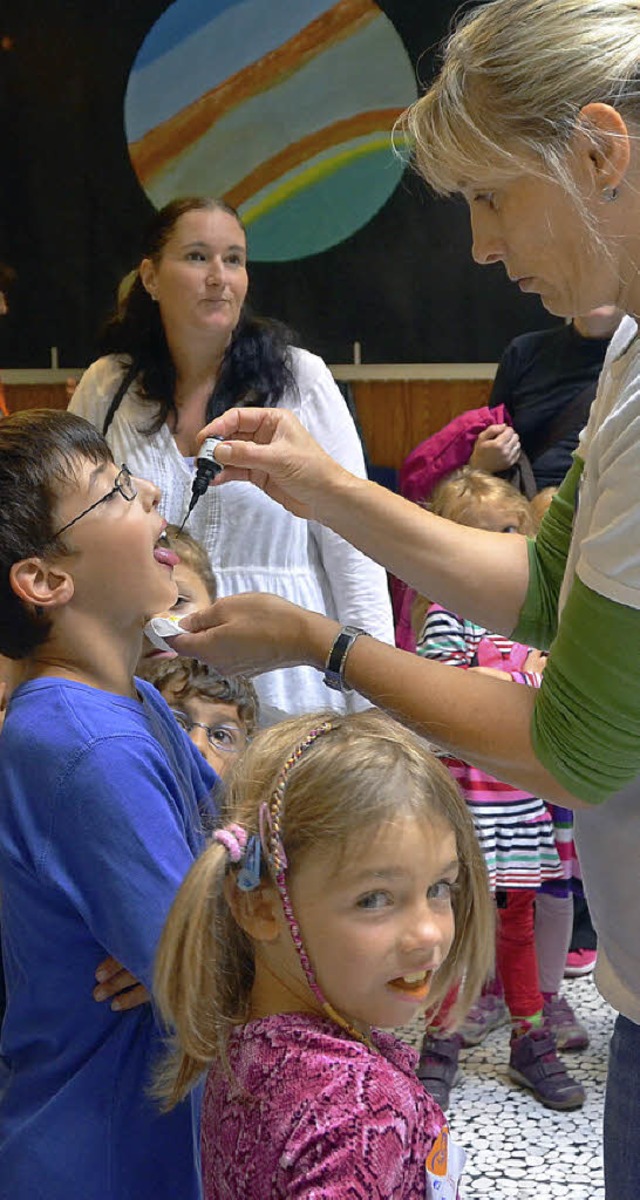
[71, 210]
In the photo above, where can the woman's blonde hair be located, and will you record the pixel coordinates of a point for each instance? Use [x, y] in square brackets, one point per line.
[514, 78]
[461, 496]
[364, 771]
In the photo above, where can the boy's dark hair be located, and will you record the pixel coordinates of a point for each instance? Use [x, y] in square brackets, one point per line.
[187, 678]
[193, 555]
[40, 453]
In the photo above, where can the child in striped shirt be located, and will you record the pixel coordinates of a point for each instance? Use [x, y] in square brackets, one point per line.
[515, 830]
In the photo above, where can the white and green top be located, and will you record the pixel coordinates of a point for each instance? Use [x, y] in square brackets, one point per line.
[584, 602]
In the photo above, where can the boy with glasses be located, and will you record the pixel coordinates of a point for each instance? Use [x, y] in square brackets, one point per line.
[100, 820]
[220, 714]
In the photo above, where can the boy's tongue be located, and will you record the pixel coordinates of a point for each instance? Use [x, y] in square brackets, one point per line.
[163, 554]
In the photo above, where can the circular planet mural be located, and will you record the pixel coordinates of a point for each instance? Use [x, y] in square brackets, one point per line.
[283, 110]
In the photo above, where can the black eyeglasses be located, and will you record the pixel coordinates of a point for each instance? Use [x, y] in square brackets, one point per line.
[230, 739]
[123, 484]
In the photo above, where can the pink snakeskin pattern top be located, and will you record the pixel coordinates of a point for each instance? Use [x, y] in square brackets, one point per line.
[318, 1116]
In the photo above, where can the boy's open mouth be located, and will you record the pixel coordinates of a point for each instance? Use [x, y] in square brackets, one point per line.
[163, 554]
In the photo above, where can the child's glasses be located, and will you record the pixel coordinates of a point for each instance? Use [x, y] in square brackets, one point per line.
[123, 484]
[227, 738]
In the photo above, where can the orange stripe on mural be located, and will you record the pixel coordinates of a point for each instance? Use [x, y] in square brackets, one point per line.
[378, 120]
[163, 143]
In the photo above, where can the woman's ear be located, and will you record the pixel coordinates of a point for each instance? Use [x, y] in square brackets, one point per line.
[256, 912]
[148, 277]
[608, 145]
[36, 582]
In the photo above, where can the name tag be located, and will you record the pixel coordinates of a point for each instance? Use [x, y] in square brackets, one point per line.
[444, 1167]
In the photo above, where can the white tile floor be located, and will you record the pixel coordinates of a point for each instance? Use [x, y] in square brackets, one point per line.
[516, 1149]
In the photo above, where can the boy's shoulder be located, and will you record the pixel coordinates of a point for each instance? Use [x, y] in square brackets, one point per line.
[54, 724]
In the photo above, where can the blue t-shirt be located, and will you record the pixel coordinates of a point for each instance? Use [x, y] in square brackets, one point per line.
[101, 801]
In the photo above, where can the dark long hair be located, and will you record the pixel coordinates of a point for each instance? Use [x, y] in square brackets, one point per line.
[256, 368]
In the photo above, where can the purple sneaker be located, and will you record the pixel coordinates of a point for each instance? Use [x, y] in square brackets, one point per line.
[561, 1020]
[488, 1013]
[438, 1066]
[534, 1063]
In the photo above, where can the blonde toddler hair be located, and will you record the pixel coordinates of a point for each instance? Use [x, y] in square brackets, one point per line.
[366, 770]
[461, 496]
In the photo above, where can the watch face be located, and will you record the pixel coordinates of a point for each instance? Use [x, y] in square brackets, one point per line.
[333, 675]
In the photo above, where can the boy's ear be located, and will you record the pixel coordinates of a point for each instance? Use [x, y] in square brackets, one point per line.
[36, 582]
[256, 912]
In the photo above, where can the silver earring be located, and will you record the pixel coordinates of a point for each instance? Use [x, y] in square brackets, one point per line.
[609, 194]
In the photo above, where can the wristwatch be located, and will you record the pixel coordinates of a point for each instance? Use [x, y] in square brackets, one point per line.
[337, 658]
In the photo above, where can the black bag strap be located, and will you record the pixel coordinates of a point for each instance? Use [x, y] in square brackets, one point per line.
[569, 420]
[522, 477]
[123, 387]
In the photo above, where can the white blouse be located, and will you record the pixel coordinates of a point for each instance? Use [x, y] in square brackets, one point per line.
[255, 545]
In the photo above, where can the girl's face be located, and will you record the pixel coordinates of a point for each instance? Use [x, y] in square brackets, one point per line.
[200, 280]
[378, 927]
[192, 596]
[496, 517]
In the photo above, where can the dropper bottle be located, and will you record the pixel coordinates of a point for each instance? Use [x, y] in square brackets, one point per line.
[206, 469]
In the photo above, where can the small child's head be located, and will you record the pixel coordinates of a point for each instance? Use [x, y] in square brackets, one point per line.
[370, 894]
[220, 714]
[483, 501]
[195, 582]
[540, 503]
[78, 535]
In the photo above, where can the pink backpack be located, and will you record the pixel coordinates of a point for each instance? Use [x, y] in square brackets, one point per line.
[446, 450]
[421, 470]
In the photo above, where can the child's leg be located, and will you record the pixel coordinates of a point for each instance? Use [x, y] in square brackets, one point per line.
[516, 955]
[438, 1065]
[533, 1059]
[553, 924]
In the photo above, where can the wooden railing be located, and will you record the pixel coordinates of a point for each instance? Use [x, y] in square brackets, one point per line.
[398, 405]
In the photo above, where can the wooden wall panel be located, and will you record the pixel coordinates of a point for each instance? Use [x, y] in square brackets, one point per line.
[395, 415]
[35, 395]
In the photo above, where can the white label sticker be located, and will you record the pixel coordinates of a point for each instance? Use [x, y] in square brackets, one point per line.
[444, 1167]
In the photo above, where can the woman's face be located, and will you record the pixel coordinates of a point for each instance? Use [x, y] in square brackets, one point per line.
[200, 280]
[534, 228]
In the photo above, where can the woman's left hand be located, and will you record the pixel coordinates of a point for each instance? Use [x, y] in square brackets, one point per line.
[255, 632]
[117, 984]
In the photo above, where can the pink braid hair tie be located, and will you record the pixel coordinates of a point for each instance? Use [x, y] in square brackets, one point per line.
[234, 840]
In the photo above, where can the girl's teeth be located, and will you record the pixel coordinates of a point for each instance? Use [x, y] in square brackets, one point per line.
[416, 978]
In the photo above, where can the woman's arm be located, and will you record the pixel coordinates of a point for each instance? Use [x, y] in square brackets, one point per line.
[484, 575]
[468, 714]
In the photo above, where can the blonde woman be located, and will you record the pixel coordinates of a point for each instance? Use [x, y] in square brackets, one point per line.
[535, 118]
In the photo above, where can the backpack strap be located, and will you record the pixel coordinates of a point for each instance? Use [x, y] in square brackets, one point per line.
[123, 387]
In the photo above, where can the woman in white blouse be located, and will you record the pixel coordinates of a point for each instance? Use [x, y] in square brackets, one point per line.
[182, 349]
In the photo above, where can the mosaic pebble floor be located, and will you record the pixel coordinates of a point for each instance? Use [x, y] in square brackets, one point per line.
[516, 1148]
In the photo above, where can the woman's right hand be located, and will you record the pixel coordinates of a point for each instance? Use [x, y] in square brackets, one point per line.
[271, 449]
[496, 449]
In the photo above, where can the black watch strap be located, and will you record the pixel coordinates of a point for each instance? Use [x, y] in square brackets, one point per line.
[337, 658]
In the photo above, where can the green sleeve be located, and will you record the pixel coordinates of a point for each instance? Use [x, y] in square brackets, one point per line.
[538, 619]
[586, 722]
